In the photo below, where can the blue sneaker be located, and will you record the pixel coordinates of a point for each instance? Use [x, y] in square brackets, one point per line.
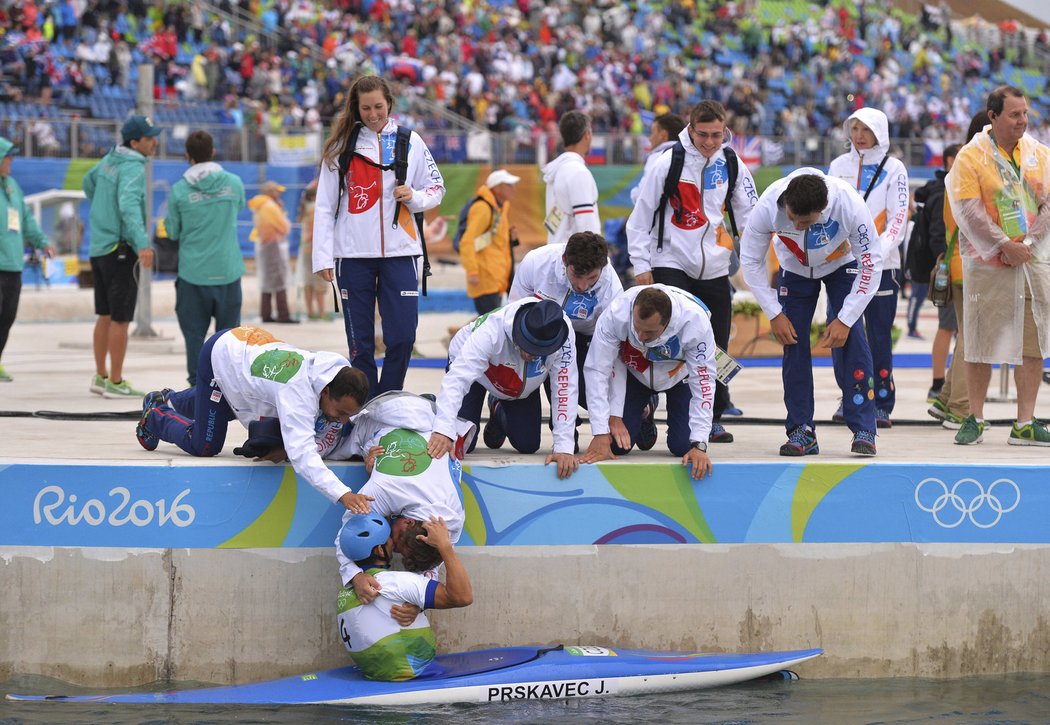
[147, 439]
[732, 410]
[882, 419]
[838, 417]
[863, 443]
[647, 430]
[801, 442]
[719, 434]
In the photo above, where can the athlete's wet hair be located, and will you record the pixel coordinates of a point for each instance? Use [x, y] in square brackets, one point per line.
[805, 194]
[418, 556]
[651, 302]
[586, 252]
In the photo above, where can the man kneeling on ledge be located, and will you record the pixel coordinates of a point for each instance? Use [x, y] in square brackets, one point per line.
[383, 647]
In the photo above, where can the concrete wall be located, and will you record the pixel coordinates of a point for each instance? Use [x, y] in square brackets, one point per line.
[119, 617]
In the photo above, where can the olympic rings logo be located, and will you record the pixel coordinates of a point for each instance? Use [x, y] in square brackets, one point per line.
[967, 499]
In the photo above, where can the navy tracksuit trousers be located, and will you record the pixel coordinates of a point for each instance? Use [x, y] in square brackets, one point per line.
[852, 362]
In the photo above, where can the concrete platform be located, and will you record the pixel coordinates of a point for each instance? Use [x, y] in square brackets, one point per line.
[859, 556]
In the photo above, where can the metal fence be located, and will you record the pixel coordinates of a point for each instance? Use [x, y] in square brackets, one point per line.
[73, 137]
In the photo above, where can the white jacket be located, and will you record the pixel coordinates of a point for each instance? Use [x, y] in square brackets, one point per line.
[433, 492]
[542, 274]
[844, 232]
[484, 352]
[650, 162]
[685, 351]
[263, 377]
[571, 198]
[691, 245]
[364, 226]
[888, 201]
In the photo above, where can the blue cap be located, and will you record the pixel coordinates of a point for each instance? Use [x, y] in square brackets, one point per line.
[138, 126]
[540, 328]
[361, 533]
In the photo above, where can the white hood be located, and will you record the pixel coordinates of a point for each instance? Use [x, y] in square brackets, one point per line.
[552, 168]
[876, 120]
[198, 171]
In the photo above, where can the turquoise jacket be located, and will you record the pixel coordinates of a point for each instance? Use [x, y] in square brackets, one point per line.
[19, 224]
[116, 187]
[202, 217]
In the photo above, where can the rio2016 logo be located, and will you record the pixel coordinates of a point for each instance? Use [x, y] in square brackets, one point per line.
[53, 506]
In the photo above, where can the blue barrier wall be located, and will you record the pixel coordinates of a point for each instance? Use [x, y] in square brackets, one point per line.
[264, 506]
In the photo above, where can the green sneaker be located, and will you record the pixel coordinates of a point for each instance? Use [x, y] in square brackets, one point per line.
[1033, 434]
[952, 421]
[938, 409]
[971, 432]
[4, 377]
[98, 385]
[122, 389]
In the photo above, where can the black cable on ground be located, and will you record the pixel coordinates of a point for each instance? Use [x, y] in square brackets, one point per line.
[66, 415]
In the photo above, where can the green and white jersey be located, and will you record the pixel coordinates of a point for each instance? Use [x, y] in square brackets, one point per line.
[378, 645]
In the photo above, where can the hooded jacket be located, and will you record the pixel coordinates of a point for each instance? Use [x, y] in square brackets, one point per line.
[542, 274]
[20, 225]
[888, 201]
[271, 223]
[685, 351]
[650, 162]
[484, 249]
[843, 233]
[363, 225]
[571, 198]
[484, 352]
[698, 245]
[116, 188]
[202, 217]
[263, 377]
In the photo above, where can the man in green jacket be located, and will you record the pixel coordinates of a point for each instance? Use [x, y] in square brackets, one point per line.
[20, 227]
[116, 187]
[202, 218]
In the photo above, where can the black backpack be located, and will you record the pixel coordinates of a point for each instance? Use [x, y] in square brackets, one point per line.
[400, 169]
[461, 223]
[674, 174]
[920, 258]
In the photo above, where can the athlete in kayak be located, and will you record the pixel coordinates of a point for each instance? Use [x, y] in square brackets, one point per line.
[381, 647]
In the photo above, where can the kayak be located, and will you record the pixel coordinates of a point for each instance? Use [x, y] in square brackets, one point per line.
[490, 675]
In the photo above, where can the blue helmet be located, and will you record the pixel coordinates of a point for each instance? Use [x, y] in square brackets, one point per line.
[361, 533]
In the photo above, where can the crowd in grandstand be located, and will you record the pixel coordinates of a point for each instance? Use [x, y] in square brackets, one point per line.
[518, 65]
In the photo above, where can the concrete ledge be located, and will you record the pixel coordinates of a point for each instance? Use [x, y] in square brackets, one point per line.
[879, 610]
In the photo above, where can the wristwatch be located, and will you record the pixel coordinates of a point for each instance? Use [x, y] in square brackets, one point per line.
[700, 445]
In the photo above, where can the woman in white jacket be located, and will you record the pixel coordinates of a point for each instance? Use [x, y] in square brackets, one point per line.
[882, 180]
[365, 237]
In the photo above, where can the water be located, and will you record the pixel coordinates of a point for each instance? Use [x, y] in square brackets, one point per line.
[1008, 699]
